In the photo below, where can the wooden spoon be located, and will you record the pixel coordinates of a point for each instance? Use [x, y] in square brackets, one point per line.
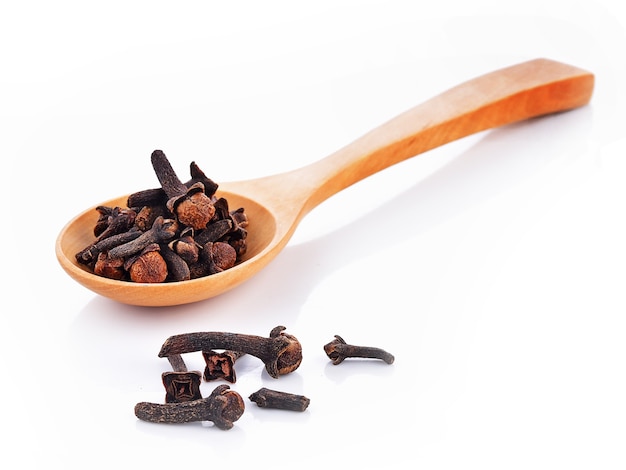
[276, 204]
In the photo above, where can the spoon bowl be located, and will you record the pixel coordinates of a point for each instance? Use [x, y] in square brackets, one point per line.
[276, 204]
[78, 233]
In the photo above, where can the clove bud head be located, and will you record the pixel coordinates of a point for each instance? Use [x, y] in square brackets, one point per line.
[290, 356]
[229, 407]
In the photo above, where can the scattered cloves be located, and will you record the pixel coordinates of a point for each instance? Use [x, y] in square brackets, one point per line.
[338, 350]
[267, 398]
[281, 352]
[223, 407]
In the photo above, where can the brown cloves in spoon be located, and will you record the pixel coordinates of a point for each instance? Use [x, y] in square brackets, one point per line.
[276, 204]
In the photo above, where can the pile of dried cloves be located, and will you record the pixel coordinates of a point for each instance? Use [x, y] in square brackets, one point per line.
[177, 232]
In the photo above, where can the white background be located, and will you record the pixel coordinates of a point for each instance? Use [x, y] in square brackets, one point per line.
[493, 268]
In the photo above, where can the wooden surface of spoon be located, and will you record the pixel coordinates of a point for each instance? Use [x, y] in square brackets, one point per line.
[276, 204]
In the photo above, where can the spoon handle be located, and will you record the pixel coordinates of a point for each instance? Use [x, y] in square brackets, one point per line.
[519, 92]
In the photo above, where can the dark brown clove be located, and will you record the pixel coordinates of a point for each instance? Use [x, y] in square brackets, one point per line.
[186, 246]
[181, 386]
[213, 258]
[281, 352]
[166, 175]
[223, 407]
[177, 362]
[104, 215]
[267, 398]
[147, 197]
[148, 266]
[191, 205]
[163, 230]
[240, 217]
[198, 176]
[148, 214]
[112, 268]
[338, 350]
[205, 266]
[89, 254]
[221, 365]
[177, 267]
[214, 231]
[113, 221]
[224, 255]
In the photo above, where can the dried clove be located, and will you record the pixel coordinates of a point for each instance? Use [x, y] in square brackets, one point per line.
[113, 221]
[214, 232]
[162, 230]
[198, 176]
[240, 217]
[181, 386]
[187, 247]
[338, 350]
[177, 268]
[112, 268]
[89, 254]
[154, 197]
[281, 352]
[147, 266]
[220, 365]
[148, 214]
[267, 398]
[191, 206]
[104, 216]
[213, 258]
[223, 407]
[177, 362]
[224, 255]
